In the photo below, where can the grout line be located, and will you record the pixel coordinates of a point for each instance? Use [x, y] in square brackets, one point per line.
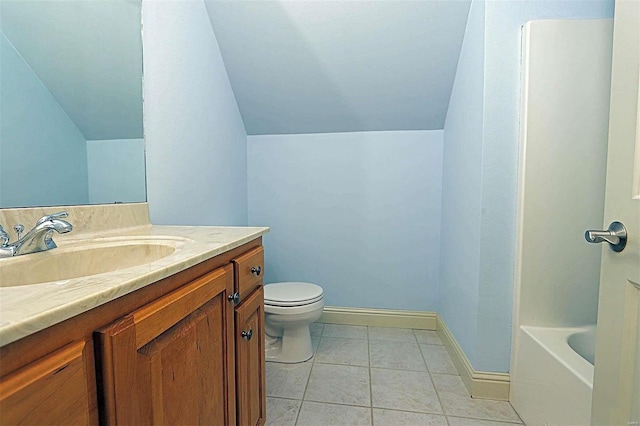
[373, 366]
[412, 411]
[337, 403]
[432, 382]
[504, 422]
[284, 397]
[313, 363]
[390, 409]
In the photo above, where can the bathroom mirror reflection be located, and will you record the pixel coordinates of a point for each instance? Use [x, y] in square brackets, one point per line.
[70, 102]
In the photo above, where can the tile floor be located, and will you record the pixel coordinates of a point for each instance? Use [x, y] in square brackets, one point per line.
[376, 376]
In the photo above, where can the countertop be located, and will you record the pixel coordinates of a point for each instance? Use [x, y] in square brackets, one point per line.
[27, 309]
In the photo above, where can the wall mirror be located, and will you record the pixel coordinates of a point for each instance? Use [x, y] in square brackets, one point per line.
[71, 128]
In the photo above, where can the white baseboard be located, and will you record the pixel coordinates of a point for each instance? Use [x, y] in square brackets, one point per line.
[379, 317]
[480, 384]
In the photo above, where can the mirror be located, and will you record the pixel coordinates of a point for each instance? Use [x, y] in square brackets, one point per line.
[71, 127]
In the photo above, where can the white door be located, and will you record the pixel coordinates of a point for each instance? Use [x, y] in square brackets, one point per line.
[616, 392]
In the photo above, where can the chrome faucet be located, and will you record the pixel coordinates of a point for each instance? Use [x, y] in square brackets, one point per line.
[40, 238]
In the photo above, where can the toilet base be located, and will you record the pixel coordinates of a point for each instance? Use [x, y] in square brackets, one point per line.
[293, 346]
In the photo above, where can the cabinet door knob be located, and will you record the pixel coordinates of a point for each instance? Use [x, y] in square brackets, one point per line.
[235, 298]
[247, 334]
[256, 270]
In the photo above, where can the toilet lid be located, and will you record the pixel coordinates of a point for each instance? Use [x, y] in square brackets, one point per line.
[291, 294]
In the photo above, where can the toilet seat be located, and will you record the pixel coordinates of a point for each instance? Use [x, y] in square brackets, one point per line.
[292, 311]
[292, 294]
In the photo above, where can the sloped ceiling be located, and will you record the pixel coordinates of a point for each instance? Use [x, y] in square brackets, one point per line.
[336, 66]
[88, 54]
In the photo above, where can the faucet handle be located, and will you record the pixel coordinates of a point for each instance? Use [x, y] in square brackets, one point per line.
[52, 216]
[4, 237]
[19, 228]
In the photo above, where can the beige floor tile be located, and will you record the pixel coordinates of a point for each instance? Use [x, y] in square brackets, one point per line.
[400, 355]
[287, 380]
[336, 350]
[321, 414]
[437, 359]
[391, 334]
[428, 337]
[403, 390]
[282, 412]
[347, 331]
[342, 384]
[457, 402]
[383, 417]
[338, 388]
[449, 383]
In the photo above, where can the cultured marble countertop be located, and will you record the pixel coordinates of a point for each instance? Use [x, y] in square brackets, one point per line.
[27, 309]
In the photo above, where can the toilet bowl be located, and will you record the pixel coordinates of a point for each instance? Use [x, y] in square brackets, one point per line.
[289, 308]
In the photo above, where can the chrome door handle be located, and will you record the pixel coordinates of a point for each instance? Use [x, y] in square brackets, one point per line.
[616, 236]
[256, 270]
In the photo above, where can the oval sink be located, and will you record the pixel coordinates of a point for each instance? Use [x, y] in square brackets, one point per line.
[81, 260]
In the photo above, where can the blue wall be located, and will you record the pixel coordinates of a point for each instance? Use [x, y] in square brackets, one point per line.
[30, 154]
[357, 213]
[493, 288]
[461, 190]
[195, 138]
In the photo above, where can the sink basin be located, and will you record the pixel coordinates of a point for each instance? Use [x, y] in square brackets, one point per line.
[81, 259]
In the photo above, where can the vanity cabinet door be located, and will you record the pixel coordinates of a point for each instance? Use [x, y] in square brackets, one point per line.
[250, 367]
[171, 361]
[52, 390]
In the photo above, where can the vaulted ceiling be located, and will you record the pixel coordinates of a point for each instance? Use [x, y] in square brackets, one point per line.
[304, 66]
[335, 66]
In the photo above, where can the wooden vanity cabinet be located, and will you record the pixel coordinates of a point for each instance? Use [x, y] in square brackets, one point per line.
[249, 334]
[250, 361]
[171, 353]
[171, 361]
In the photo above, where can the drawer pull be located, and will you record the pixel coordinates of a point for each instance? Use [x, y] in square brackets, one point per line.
[247, 334]
[256, 270]
[235, 298]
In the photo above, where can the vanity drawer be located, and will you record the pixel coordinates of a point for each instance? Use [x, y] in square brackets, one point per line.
[248, 272]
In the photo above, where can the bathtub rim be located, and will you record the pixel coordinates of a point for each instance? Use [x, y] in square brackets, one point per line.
[554, 340]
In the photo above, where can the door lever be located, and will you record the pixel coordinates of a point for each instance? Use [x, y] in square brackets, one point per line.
[616, 236]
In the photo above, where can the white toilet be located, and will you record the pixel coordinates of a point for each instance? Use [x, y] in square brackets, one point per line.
[289, 308]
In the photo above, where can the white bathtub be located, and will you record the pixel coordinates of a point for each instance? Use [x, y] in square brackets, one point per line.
[552, 379]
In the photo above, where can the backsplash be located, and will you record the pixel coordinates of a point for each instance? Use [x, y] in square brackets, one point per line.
[86, 220]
